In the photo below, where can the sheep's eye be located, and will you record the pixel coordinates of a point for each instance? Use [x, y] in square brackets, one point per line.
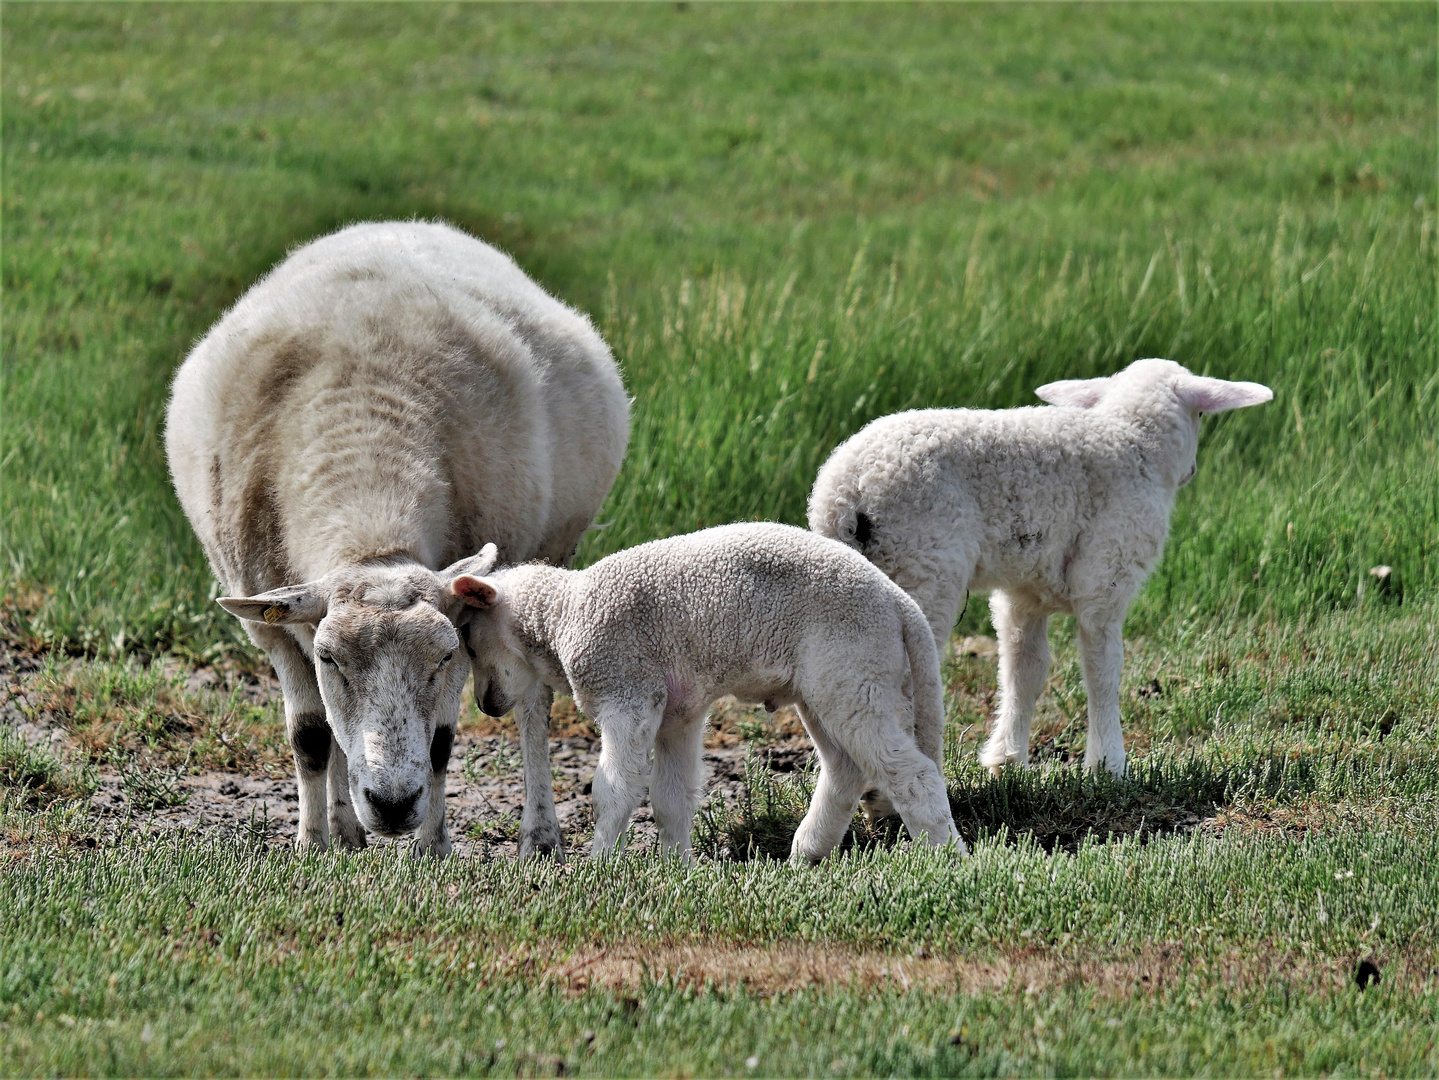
[326, 658]
[448, 657]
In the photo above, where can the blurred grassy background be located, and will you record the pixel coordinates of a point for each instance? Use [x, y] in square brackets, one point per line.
[787, 220]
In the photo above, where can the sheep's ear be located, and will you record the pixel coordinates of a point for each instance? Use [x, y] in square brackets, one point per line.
[1215, 395]
[1076, 393]
[292, 604]
[478, 565]
[475, 592]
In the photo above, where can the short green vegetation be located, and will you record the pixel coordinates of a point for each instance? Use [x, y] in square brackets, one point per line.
[786, 221]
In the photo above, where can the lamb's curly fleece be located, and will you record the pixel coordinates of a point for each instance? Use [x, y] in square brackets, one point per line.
[647, 639]
[1060, 509]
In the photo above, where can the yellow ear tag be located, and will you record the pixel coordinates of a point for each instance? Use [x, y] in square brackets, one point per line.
[274, 614]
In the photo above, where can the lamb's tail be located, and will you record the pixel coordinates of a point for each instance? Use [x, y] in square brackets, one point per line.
[835, 513]
[924, 676]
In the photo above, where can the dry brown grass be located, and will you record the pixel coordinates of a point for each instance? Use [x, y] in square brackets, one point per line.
[625, 968]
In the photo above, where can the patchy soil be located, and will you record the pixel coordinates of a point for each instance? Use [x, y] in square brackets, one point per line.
[157, 775]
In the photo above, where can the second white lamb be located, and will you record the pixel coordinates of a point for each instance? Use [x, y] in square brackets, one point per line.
[647, 639]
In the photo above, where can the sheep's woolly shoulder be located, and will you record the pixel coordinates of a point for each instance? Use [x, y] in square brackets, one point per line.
[397, 388]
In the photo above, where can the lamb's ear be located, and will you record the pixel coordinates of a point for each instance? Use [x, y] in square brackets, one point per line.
[477, 565]
[1208, 395]
[1076, 393]
[475, 591]
[292, 604]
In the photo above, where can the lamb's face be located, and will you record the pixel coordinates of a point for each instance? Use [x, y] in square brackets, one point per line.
[391, 679]
[498, 663]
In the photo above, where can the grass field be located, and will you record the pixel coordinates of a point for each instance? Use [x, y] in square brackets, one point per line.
[786, 221]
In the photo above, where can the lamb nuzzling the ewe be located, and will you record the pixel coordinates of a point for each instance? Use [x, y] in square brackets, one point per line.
[647, 639]
[385, 401]
[1061, 509]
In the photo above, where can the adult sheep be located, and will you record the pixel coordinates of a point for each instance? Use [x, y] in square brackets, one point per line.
[1062, 509]
[385, 402]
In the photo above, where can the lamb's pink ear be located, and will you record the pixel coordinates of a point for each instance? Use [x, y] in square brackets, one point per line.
[1076, 393]
[1208, 395]
[476, 592]
[291, 604]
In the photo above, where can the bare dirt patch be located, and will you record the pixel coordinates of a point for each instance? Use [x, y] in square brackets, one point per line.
[169, 747]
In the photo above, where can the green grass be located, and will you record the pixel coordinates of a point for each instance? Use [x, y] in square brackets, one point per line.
[928, 206]
[786, 221]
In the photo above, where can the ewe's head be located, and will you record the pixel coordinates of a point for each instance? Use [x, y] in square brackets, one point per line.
[1165, 394]
[391, 668]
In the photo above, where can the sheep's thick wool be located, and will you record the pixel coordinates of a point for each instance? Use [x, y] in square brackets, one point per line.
[384, 402]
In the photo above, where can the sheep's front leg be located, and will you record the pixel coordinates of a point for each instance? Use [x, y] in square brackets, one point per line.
[539, 826]
[1023, 666]
[676, 788]
[1101, 648]
[627, 735]
[345, 826]
[432, 838]
[305, 725]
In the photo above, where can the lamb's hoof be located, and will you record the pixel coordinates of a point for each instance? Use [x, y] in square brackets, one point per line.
[543, 844]
[876, 806]
[995, 762]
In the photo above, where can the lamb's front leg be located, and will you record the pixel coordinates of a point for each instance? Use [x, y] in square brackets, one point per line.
[1023, 666]
[539, 826]
[1101, 648]
[305, 725]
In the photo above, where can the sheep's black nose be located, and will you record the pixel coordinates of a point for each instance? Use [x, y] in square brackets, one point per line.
[394, 814]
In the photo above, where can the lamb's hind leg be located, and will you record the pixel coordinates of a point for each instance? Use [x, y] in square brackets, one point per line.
[836, 794]
[882, 747]
[1023, 666]
[627, 735]
[938, 581]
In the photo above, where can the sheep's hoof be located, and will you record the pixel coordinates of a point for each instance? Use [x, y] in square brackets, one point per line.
[438, 849]
[348, 835]
[543, 844]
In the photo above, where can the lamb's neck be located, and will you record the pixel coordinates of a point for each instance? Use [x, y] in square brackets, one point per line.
[538, 595]
[1166, 442]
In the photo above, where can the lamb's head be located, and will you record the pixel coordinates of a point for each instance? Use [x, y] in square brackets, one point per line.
[503, 669]
[1167, 397]
[391, 668]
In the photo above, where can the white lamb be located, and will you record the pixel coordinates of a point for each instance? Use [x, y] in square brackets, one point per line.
[385, 401]
[1059, 509]
[648, 638]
